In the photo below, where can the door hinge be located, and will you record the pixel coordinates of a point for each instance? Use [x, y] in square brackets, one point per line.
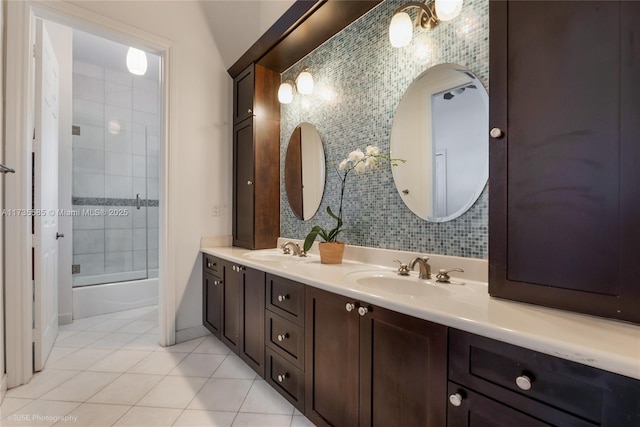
[35, 51]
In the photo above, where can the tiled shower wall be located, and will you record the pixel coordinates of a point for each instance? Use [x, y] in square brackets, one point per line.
[115, 157]
[359, 81]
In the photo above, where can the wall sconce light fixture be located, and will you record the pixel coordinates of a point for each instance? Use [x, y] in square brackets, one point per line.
[303, 85]
[136, 61]
[431, 12]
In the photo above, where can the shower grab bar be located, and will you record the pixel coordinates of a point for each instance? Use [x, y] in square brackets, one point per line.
[4, 169]
[138, 201]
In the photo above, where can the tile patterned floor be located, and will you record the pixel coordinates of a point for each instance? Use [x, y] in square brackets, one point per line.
[110, 371]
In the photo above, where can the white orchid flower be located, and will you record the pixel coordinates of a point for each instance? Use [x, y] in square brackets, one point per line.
[356, 155]
[370, 161]
[372, 151]
[343, 164]
[360, 166]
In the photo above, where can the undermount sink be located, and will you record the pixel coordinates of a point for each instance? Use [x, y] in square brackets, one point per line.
[385, 281]
[273, 255]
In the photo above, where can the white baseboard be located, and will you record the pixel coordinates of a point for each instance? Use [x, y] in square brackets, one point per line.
[3, 387]
[191, 333]
[65, 319]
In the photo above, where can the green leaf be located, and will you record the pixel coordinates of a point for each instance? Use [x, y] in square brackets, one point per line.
[336, 217]
[311, 237]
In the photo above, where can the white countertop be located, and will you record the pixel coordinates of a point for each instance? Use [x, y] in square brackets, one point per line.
[465, 304]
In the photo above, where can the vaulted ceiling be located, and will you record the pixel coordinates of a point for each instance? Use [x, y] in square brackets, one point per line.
[236, 25]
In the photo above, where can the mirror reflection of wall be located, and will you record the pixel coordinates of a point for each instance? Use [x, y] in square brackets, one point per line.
[304, 171]
[440, 127]
[459, 123]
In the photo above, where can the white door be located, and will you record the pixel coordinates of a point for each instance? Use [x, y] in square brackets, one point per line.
[45, 201]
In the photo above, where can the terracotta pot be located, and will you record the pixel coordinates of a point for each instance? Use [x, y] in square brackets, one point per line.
[331, 252]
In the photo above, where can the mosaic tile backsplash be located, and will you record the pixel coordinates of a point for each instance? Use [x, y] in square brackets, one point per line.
[359, 81]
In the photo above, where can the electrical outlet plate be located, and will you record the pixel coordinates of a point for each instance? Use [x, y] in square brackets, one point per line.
[75, 269]
[215, 210]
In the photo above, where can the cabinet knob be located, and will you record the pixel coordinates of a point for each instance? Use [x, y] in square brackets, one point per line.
[362, 311]
[496, 133]
[216, 283]
[249, 182]
[350, 306]
[283, 297]
[282, 337]
[283, 377]
[523, 382]
[249, 111]
[455, 399]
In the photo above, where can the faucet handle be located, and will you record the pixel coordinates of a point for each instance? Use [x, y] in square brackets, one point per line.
[403, 269]
[285, 249]
[443, 275]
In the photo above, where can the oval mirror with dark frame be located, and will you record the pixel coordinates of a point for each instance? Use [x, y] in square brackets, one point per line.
[441, 128]
[304, 171]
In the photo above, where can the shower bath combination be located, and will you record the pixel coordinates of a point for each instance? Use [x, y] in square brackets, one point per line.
[115, 177]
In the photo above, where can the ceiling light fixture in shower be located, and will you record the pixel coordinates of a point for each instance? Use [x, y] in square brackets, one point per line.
[136, 61]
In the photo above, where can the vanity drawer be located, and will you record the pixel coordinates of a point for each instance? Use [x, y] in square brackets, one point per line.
[518, 376]
[285, 338]
[286, 298]
[211, 264]
[286, 379]
[468, 409]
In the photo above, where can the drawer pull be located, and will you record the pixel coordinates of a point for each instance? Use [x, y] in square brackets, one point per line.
[283, 377]
[350, 306]
[523, 382]
[455, 399]
[217, 282]
[283, 297]
[210, 264]
[362, 311]
[249, 111]
[282, 337]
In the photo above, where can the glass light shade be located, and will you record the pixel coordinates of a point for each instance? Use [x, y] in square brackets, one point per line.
[136, 61]
[285, 93]
[304, 83]
[448, 9]
[400, 30]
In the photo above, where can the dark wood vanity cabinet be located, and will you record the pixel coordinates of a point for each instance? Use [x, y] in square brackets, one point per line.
[256, 158]
[368, 366]
[243, 95]
[242, 312]
[285, 338]
[496, 384]
[212, 295]
[564, 210]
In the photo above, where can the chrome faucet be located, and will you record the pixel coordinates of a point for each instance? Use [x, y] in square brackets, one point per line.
[288, 246]
[425, 268]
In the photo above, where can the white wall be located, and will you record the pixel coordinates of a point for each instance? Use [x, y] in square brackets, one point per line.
[3, 385]
[237, 25]
[61, 39]
[201, 100]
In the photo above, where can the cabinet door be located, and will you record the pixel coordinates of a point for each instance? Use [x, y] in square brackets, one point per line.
[252, 319]
[243, 188]
[331, 354]
[403, 370]
[564, 207]
[212, 303]
[243, 89]
[231, 296]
